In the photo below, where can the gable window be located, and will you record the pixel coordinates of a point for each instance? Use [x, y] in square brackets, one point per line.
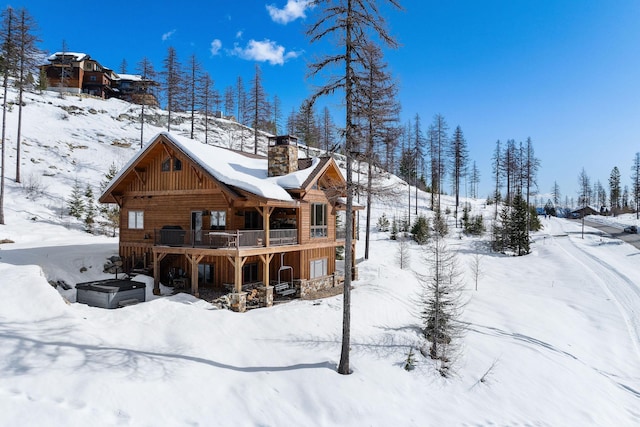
[218, 220]
[318, 220]
[317, 268]
[166, 165]
[136, 220]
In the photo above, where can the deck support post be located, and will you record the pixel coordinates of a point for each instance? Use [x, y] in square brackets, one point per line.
[156, 271]
[194, 260]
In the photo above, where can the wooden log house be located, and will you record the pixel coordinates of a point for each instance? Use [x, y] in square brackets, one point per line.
[208, 216]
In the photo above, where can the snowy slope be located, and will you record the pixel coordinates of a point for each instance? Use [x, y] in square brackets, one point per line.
[555, 333]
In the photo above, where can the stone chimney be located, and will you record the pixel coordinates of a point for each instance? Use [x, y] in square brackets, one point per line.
[282, 155]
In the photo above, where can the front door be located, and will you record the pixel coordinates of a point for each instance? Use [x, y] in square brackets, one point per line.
[196, 226]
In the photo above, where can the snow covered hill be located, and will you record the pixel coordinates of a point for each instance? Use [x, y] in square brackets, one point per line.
[553, 338]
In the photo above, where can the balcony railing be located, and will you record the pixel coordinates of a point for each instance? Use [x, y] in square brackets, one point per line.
[176, 236]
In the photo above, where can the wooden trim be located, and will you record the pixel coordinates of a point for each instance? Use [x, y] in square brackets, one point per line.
[137, 173]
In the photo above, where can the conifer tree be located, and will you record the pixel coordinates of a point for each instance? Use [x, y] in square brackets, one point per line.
[442, 305]
[89, 209]
[352, 23]
[75, 202]
[110, 211]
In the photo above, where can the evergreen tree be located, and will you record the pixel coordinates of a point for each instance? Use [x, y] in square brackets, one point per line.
[615, 192]
[75, 202]
[442, 305]
[420, 230]
[89, 209]
[110, 211]
[518, 226]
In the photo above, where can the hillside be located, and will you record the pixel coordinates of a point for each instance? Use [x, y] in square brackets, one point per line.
[553, 338]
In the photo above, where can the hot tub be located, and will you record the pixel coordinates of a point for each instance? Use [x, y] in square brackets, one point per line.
[110, 293]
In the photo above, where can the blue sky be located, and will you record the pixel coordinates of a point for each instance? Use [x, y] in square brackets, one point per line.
[563, 72]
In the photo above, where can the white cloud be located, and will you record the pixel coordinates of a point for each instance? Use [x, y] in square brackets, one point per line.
[166, 36]
[293, 10]
[239, 34]
[264, 51]
[216, 45]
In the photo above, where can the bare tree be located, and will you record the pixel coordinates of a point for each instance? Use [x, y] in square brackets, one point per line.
[258, 106]
[584, 188]
[27, 61]
[476, 267]
[8, 51]
[474, 180]
[327, 134]
[172, 74]
[229, 100]
[148, 74]
[438, 141]
[376, 109]
[276, 113]
[194, 72]
[352, 22]
[635, 186]
[207, 97]
[403, 254]
[458, 156]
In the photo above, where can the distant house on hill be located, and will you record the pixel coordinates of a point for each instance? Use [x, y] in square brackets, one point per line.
[584, 211]
[219, 219]
[74, 72]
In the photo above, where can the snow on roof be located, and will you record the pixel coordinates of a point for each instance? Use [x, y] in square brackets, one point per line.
[235, 169]
[77, 56]
[133, 77]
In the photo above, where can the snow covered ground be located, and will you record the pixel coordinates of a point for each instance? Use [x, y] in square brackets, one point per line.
[555, 334]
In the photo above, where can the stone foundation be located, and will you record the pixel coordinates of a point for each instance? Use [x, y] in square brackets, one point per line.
[314, 288]
[238, 301]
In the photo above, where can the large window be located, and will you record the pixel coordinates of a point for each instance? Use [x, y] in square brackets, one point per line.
[318, 220]
[317, 268]
[136, 220]
[218, 220]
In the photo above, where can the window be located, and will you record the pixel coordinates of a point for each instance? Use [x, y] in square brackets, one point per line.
[166, 165]
[317, 268]
[252, 220]
[136, 220]
[318, 220]
[250, 273]
[92, 78]
[218, 220]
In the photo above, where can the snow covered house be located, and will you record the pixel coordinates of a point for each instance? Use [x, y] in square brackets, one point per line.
[205, 216]
[75, 72]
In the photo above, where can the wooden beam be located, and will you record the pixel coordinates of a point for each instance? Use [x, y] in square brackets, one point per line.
[139, 177]
[266, 260]
[156, 272]
[238, 263]
[194, 260]
[198, 173]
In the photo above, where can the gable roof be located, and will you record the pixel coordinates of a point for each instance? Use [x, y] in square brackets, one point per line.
[233, 169]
